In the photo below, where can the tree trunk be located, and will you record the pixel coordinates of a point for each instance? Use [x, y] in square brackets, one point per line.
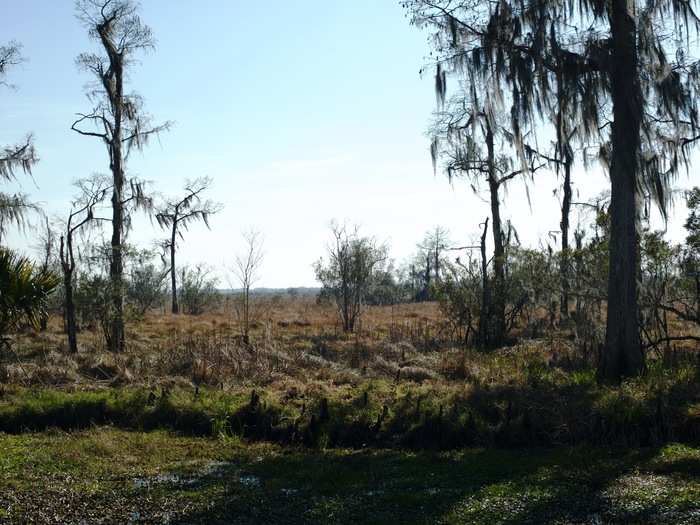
[485, 313]
[578, 237]
[426, 293]
[115, 92]
[498, 307]
[565, 155]
[565, 255]
[116, 265]
[68, 266]
[173, 274]
[71, 328]
[437, 263]
[347, 321]
[246, 311]
[622, 354]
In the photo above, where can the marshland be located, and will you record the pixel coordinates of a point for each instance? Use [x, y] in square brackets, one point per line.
[447, 271]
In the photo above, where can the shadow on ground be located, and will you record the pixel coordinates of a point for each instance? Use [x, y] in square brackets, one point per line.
[489, 487]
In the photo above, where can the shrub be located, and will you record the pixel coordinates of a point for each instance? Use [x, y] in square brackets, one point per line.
[197, 289]
[24, 291]
[145, 286]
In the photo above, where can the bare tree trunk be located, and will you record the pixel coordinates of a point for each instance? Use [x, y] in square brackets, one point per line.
[68, 265]
[116, 264]
[578, 236]
[173, 273]
[347, 322]
[246, 313]
[426, 294]
[622, 355]
[71, 327]
[565, 255]
[437, 262]
[485, 315]
[497, 310]
[565, 154]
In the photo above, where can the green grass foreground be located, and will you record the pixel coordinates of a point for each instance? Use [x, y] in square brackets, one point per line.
[519, 442]
[106, 475]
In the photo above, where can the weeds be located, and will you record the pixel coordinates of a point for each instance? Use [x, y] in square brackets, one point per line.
[318, 388]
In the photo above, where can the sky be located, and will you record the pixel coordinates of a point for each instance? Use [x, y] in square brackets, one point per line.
[301, 112]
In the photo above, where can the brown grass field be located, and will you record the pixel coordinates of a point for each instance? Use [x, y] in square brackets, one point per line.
[401, 380]
[396, 423]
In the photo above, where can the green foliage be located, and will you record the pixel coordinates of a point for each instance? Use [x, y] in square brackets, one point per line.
[24, 291]
[532, 284]
[384, 288]
[354, 263]
[197, 290]
[692, 223]
[511, 400]
[145, 287]
[92, 302]
[459, 295]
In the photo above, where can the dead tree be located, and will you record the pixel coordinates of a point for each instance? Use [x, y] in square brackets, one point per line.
[117, 119]
[82, 214]
[484, 330]
[46, 247]
[177, 214]
[246, 270]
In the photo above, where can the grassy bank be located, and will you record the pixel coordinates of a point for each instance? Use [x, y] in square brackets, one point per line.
[546, 408]
[400, 383]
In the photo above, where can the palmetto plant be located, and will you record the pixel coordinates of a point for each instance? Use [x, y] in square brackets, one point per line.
[23, 291]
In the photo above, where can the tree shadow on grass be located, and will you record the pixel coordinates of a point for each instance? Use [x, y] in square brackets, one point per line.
[477, 486]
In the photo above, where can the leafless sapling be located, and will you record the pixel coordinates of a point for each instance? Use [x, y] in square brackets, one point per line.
[47, 250]
[246, 270]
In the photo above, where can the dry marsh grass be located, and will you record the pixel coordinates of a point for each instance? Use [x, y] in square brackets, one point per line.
[400, 381]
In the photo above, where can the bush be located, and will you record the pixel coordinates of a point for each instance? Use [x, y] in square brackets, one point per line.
[197, 290]
[145, 286]
[91, 296]
[24, 291]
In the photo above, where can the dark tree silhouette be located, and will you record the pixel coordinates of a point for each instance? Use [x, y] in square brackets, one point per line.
[93, 192]
[177, 214]
[631, 88]
[117, 119]
[465, 122]
[432, 250]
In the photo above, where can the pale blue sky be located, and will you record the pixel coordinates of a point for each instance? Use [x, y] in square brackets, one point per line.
[300, 111]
